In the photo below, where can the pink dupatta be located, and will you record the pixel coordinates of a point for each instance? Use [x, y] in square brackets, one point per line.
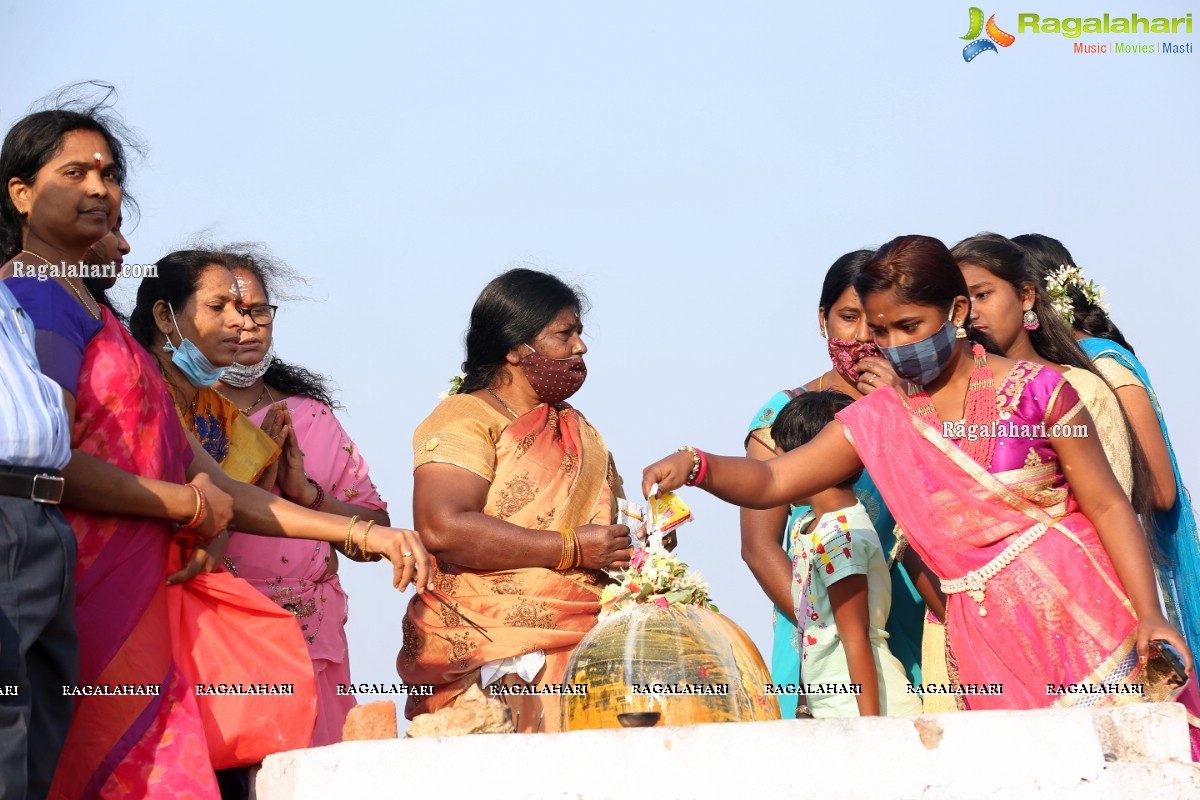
[300, 575]
[1056, 615]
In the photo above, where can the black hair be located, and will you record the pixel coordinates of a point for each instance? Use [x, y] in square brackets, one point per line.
[98, 287]
[290, 379]
[806, 415]
[921, 271]
[513, 308]
[1052, 340]
[1045, 255]
[37, 137]
[840, 277]
[177, 280]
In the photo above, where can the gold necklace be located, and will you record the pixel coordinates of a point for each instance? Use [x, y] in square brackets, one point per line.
[501, 402]
[250, 408]
[93, 314]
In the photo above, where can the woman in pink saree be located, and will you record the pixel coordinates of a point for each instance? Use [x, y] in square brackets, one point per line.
[1044, 566]
[321, 467]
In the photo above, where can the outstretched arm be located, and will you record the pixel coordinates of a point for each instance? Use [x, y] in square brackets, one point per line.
[825, 461]
[260, 512]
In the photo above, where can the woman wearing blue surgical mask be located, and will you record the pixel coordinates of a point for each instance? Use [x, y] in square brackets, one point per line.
[190, 319]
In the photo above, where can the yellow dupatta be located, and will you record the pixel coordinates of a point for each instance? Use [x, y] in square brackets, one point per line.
[243, 449]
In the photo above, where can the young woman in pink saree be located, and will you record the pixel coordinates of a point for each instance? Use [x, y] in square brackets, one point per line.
[1046, 571]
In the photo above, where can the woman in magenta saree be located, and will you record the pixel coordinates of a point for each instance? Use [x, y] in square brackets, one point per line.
[1056, 615]
[1042, 562]
[120, 746]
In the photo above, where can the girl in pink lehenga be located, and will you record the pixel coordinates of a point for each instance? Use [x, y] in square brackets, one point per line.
[320, 468]
[1048, 585]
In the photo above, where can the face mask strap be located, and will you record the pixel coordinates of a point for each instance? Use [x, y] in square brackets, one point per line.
[168, 347]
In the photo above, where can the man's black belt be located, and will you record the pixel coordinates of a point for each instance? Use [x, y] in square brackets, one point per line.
[32, 483]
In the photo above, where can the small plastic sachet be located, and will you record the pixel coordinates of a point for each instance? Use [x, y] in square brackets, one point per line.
[668, 512]
[632, 514]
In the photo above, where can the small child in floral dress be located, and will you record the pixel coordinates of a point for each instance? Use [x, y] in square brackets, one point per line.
[841, 588]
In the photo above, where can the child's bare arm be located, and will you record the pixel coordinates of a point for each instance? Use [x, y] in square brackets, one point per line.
[849, 600]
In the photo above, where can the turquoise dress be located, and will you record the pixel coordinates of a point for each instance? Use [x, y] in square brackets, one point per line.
[905, 623]
[1177, 545]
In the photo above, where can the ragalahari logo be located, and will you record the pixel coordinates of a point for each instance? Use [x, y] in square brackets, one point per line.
[994, 37]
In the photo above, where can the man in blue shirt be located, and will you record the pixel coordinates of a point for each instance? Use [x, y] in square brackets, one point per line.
[39, 648]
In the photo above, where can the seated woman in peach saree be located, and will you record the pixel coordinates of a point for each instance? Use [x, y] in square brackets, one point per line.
[516, 494]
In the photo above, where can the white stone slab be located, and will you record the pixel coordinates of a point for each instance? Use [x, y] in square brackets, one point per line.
[1137, 750]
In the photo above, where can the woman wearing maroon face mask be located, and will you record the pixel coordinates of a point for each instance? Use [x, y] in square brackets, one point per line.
[857, 368]
[516, 495]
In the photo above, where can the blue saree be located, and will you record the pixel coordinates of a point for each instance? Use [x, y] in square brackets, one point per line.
[1176, 542]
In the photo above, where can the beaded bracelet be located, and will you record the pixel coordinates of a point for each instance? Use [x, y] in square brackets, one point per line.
[703, 469]
[201, 508]
[691, 478]
[350, 535]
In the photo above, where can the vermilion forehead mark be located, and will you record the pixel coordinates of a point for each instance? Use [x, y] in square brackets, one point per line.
[99, 159]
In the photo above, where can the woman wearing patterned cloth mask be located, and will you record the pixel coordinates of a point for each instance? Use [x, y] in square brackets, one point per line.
[515, 492]
[320, 468]
[840, 321]
[1012, 543]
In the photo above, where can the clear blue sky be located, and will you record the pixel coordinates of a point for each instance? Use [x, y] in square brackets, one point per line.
[695, 166]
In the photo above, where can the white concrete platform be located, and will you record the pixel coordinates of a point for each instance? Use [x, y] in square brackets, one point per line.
[1137, 751]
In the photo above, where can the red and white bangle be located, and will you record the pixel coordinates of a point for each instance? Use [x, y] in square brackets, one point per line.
[201, 508]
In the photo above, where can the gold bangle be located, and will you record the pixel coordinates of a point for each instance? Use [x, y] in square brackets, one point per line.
[367, 533]
[564, 561]
[578, 549]
[350, 535]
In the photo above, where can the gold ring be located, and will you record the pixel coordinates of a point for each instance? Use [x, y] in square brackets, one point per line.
[407, 554]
